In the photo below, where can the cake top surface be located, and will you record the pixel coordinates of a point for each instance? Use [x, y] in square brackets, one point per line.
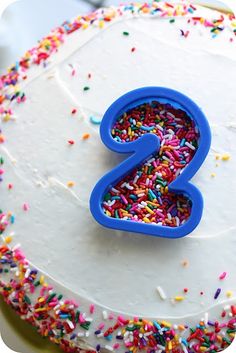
[52, 101]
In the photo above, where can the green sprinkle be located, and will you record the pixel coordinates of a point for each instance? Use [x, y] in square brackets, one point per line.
[77, 316]
[85, 325]
[51, 296]
[1, 160]
[60, 296]
[86, 88]
[126, 33]
[172, 20]
[27, 300]
[37, 284]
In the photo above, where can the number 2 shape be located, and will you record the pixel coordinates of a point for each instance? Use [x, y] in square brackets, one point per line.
[139, 151]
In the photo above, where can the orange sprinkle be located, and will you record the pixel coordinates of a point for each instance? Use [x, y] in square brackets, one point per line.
[86, 136]
[2, 138]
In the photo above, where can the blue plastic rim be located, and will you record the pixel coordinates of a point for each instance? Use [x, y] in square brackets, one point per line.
[140, 150]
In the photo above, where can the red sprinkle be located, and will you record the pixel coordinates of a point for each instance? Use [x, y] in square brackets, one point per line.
[71, 142]
[74, 111]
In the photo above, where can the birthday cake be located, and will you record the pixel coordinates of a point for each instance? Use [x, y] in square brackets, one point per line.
[94, 285]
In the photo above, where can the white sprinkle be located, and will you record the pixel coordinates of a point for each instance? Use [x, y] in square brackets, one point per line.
[166, 159]
[169, 216]
[70, 323]
[170, 115]
[163, 142]
[87, 334]
[184, 348]
[80, 334]
[171, 131]
[177, 221]
[161, 293]
[190, 145]
[115, 190]
[109, 348]
[27, 273]
[105, 315]
[129, 187]
[136, 178]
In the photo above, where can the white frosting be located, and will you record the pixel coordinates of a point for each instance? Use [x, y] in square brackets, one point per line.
[58, 235]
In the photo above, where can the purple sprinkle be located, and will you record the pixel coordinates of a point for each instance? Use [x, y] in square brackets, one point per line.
[217, 293]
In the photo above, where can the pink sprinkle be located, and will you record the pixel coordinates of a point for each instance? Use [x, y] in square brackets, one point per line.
[81, 319]
[121, 319]
[116, 346]
[10, 186]
[1, 171]
[124, 199]
[25, 207]
[223, 275]
[73, 72]
[91, 309]
[101, 326]
[111, 317]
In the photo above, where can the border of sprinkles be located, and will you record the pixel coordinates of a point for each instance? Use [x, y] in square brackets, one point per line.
[24, 288]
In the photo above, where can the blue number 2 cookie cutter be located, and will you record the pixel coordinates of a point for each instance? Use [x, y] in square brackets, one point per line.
[139, 151]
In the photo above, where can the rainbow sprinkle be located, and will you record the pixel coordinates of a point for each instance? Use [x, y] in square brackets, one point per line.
[143, 195]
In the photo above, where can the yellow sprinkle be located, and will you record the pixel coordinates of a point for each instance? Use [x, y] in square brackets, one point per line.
[108, 213]
[170, 345]
[213, 175]
[149, 210]
[229, 293]
[86, 136]
[6, 118]
[42, 280]
[41, 300]
[40, 309]
[179, 298]
[101, 24]
[8, 240]
[146, 220]
[70, 184]
[225, 157]
[166, 324]
[203, 349]
[85, 25]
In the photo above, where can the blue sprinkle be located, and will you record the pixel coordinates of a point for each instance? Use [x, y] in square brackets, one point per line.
[94, 120]
[147, 128]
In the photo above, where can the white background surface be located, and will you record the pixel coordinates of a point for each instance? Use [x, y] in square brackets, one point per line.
[21, 25]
